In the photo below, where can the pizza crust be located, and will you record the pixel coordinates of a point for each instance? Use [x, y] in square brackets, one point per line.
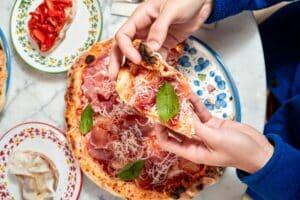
[3, 78]
[78, 143]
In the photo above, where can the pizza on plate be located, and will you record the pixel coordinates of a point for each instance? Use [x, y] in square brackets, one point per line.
[3, 78]
[115, 145]
[157, 90]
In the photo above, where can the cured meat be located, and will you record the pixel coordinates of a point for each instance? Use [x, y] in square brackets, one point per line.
[48, 23]
[139, 85]
[121, 135]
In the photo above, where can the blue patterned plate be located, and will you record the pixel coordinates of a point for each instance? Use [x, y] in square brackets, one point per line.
[5, 46]
[210, 79]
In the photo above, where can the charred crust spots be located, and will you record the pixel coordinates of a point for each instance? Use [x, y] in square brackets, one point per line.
[199, 186]
[89, 59]
[176, 193]
[147, 54]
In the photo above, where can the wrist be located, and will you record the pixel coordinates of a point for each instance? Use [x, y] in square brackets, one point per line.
[260, 159]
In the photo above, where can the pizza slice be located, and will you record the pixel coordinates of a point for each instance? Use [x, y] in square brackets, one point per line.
[157, 90]
[48, 24]
[3, 78]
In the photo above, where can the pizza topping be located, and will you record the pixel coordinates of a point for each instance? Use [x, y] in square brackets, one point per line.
[89, 59]
[167, 102]
[47, 21]
[101, 137]
[123, 142]
[131, 171]
[86, 121]
[160, 168]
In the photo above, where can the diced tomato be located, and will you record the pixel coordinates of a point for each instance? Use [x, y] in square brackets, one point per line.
[48, 19]
[49, 4]
[39, 35]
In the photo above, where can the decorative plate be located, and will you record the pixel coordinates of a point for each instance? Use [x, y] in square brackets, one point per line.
[210, 79]
[5, 47]
[83, 32]
[51, 142]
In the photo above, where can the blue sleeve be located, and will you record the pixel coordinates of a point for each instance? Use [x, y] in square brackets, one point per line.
[226, 8]
[279, 178]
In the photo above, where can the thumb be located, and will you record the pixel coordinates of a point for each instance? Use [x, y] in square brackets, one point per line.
[206, 134]
[159, 29]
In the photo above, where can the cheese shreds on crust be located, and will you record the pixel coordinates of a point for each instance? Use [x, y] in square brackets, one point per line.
[125, 138]
[138, 86]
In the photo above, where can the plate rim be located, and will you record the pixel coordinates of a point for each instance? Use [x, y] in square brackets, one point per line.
[59, 131]
[8, 59]
[44, 70]
[225, 69]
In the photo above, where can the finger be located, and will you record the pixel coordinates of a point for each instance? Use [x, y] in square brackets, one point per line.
[139, 20]
[208, 135]
[115, 61]
[203, 114]
[171, 41]
[159, 29]
[188, 148]
[164, 52]
[124, 40]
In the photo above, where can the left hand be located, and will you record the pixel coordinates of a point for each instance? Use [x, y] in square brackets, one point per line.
[219, 142]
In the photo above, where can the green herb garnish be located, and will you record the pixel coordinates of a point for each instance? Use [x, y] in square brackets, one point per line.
[131, 171]
[167, 102]
[86, 121]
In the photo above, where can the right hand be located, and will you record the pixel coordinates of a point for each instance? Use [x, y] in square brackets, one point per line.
[219, 142]
[162, 23]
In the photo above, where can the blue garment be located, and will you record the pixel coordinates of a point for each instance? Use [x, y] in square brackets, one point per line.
[280, 177]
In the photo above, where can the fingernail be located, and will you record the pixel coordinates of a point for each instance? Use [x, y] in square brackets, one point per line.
[153, 45]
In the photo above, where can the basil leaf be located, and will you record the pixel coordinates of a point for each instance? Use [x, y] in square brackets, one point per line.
[86, 121]
[202, 77]
[131, 171]
[167, 102]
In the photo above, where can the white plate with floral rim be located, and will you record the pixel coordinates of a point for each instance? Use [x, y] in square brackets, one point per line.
[83, 32]
[45, 139]
[210, 79]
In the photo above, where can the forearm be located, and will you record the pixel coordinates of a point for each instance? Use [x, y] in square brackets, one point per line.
[226, 8]
[279, 178]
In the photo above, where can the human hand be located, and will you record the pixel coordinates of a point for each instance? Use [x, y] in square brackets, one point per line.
[163, 23]
[219, 142]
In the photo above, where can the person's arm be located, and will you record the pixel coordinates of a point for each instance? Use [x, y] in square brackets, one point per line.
[226, 8]
[279, 178]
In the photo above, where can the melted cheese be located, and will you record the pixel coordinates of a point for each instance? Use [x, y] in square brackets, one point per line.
[159, 171]
[130, 147]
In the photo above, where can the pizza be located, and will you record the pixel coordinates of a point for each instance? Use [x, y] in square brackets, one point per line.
[3, 78]
[115, 145]
[49, 22]
[148, 86]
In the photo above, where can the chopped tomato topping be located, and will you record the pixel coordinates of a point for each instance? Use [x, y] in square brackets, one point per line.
[47, 21]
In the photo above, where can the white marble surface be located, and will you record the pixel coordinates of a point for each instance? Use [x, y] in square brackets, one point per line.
[37, 96]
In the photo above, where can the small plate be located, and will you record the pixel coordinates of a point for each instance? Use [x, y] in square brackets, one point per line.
[210, 79]
[83, 32]
[51, 142]
[5, 47]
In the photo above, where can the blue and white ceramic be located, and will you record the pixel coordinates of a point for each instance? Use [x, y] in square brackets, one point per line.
[210, 79]
[5, 47]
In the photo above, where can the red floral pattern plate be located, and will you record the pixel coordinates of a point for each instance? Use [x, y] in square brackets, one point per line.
[51, 142]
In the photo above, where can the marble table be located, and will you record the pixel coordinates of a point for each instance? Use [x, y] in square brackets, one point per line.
[38, 96]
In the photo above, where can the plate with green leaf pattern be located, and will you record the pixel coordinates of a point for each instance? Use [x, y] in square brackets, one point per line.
[84, 31]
